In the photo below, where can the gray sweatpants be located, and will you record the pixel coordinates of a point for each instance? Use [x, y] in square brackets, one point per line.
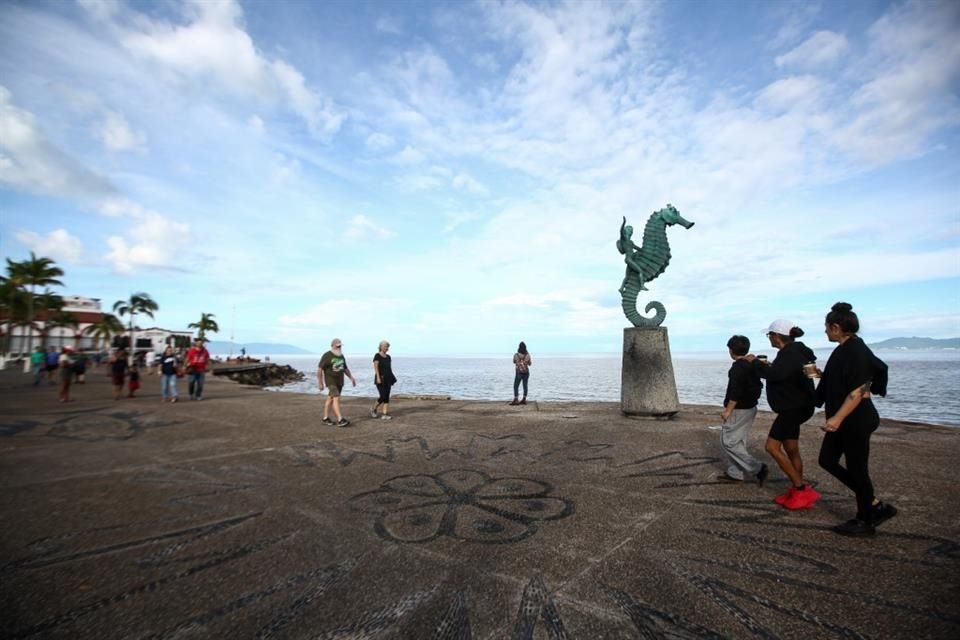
[733, 437]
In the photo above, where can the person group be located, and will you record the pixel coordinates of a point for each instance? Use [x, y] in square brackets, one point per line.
[852, 374]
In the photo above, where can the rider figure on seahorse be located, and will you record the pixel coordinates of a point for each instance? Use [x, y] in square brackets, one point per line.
[647, 262]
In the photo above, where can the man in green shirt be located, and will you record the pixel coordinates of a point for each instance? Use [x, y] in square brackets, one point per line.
[330, 373]
[38, 362]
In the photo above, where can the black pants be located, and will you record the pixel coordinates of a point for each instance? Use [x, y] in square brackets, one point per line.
[852, 441]
[384, 390]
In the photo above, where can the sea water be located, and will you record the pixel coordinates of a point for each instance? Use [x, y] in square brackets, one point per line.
[924, 385]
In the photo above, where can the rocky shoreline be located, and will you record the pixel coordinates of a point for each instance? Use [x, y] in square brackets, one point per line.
[263, 375]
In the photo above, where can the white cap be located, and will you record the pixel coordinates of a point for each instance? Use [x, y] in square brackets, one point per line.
[780, 326]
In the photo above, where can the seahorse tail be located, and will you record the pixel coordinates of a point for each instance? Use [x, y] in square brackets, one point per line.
[630, 310]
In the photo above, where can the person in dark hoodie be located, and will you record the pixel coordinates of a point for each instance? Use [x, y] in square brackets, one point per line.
[790, 393]
[739, 409]
[852, 374]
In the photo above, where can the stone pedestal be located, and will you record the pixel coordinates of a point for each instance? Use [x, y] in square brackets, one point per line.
[647, 386]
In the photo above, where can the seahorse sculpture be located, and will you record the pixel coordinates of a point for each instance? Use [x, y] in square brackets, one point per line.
[646, 263]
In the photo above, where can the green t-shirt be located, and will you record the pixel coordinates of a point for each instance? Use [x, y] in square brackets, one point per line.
[38, 358]
[333, 367]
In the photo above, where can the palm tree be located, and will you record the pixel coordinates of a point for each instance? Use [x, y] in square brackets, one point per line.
[138, 303]
[104, 330]
[12, 286]
[63, 319]
[14, 300]
[37, 272]
[207, 323]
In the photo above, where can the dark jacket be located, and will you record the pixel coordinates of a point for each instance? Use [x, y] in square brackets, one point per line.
[788, 388]
[744, 385]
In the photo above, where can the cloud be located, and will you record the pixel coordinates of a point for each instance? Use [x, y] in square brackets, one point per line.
[361, 227]
[117, 135]
[389, 24]
[58, 245]
[153, 242]
[409, 155]
[212, 45]
[32, 163]
[820, 49]
[379, 141]
[466, 182]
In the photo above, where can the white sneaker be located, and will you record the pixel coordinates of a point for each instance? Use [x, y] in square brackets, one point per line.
[373, 413]
[386, 416]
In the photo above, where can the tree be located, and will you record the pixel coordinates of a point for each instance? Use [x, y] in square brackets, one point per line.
[11, 287]
[50, 304]
[138, 303]
[104, 330]
[206, 323]
[37, 272]
[63, 319]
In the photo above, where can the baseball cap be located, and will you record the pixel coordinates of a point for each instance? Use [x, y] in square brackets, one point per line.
[780, 326]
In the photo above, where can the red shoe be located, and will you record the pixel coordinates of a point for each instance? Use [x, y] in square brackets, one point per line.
[786, 496]
[802, 498]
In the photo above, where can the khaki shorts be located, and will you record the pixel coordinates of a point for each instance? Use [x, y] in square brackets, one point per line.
[334, 390]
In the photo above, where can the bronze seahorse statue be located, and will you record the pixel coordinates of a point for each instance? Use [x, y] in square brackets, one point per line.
[647, 262]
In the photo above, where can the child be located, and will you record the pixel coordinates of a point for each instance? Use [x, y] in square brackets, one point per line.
[739, 410]
[134, 383]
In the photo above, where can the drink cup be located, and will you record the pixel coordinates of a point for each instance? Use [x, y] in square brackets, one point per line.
[762, 358]
[810, 370]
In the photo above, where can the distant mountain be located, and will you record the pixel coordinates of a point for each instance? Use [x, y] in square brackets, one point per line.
[253, 348]
[917, 343]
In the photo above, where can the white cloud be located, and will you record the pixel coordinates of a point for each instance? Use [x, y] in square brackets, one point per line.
[256, 123]
[790, 93]
[363, 228]
[32, 163]
[117, 135]
[153, 242]
[379, 141]
[389, 24]
[820, 49]
[59, 245]
[213, 45]
[466, 182]
[409, 155]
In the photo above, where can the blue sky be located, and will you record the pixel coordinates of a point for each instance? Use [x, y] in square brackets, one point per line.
[451, 176]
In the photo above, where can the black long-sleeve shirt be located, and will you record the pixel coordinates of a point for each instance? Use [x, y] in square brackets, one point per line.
[744, 385]
[788, 387]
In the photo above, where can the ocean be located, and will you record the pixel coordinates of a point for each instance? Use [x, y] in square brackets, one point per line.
[924, 385]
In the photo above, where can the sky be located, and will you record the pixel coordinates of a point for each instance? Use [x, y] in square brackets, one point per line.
[452, 176]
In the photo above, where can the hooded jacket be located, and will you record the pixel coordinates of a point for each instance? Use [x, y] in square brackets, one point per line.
[788, 387]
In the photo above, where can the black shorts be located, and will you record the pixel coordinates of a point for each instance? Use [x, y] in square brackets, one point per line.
[786, 426]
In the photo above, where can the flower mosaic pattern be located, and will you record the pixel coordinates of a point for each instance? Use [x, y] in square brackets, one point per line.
[462, 504]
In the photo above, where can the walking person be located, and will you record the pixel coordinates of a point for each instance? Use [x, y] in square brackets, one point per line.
[134, 382]
[851, 376]
[330, 373]
[522, 364]
[118, 372]
[38, 362]
[53, 363]
[168, 375]
[790, 393]
[739, 410]
[197, 359]
[384, 379]
[65, 373]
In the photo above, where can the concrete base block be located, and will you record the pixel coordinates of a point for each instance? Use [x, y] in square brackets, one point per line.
[648, 388]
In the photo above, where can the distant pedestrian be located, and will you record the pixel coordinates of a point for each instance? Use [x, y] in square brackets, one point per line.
[197, 359]
[852, 374]
[168, 375]
[790, 394]
[384, 379]
[38, 363]
[739, 410]
[521, 364]
[53, 363]
[118, 371]
[65, 373]
[134, 383]
[80, 368]
[330, 373]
